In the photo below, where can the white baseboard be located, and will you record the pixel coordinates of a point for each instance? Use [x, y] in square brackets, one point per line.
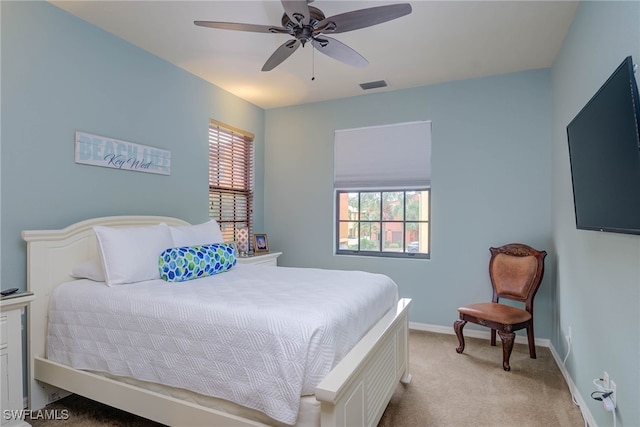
[473, 333]
[577, 397]
[541, 342]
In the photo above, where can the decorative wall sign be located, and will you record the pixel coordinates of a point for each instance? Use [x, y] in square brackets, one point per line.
[112, 153]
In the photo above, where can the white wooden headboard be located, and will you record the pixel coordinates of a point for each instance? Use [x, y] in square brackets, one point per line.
[51, 254]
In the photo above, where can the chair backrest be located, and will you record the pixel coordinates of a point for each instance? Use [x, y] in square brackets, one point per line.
[516, 272]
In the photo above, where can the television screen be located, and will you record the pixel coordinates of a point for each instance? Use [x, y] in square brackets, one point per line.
[604, 152]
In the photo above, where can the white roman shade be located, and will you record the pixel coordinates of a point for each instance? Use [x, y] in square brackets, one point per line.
[383, 157]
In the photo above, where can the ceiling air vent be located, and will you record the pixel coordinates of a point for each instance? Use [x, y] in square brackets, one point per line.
[374, 85]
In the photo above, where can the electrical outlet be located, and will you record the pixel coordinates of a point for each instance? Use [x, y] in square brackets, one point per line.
[605, 381]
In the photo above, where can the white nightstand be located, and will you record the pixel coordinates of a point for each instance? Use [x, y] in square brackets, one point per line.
[11, 309]
[270, 258]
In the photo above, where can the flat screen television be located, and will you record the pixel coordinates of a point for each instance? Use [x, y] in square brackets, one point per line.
[604, 153]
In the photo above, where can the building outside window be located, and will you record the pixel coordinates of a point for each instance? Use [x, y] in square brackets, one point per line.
[392, 222]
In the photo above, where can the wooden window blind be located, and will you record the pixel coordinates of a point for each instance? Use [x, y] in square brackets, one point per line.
[230, 178]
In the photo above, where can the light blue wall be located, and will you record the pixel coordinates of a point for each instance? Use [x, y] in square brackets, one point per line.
[500, 168]
[598, 274]
[59, 75]
[491, 184]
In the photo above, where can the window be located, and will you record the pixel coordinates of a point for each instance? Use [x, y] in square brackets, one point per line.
[385, 223]
[230, 178]
[382, 182]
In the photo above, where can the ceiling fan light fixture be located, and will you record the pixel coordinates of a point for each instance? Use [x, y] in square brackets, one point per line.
[374, 85]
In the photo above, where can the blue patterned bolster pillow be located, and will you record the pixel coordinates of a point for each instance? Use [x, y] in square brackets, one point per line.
[193, 262]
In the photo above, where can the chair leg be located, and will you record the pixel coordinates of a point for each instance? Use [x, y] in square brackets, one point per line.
[457, 326]
[532, 341]
[493, 337]
[507, 345]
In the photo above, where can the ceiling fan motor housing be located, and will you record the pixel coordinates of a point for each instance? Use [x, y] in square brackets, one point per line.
[303, 32]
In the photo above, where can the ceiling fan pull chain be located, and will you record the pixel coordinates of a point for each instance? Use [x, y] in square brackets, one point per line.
[313, 62]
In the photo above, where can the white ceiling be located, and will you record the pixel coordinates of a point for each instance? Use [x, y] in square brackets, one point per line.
[439, 41]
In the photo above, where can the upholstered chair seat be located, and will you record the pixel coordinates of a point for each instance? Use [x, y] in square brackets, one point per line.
[493, 312]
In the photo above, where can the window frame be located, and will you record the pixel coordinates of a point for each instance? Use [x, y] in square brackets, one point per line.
[241, 216]
[381, 253]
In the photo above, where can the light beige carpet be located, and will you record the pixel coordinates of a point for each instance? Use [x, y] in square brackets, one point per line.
[448, 389]
[472, 389]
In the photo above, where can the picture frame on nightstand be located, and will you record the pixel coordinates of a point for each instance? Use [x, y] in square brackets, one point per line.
[260, 243]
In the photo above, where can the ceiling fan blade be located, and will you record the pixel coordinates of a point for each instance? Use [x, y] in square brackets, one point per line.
[242, 27]
[339, 51]
[283, 52]
[362, 18]
[298, 11]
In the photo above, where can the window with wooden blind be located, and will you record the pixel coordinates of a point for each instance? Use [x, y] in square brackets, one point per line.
[230, 178]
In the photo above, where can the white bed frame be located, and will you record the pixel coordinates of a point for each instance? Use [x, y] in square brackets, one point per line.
[355, 393]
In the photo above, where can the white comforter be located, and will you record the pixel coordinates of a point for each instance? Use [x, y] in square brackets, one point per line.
[259, 336]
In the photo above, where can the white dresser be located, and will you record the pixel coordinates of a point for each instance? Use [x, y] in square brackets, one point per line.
[269, 258]
[11, 309]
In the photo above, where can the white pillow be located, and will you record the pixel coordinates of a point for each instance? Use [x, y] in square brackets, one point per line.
[90, 269]
[130, 254]
[192, 235]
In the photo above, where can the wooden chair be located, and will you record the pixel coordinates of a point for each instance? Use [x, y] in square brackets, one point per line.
[516, 271]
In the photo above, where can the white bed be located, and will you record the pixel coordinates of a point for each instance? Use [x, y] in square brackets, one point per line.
[355, 392]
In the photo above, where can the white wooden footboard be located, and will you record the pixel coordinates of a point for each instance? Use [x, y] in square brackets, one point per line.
[357, 391]
[145, 403]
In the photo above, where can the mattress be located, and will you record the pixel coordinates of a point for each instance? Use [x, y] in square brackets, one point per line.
[258, 336]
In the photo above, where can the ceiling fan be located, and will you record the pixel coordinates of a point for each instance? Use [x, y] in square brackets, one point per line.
[308, 24]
